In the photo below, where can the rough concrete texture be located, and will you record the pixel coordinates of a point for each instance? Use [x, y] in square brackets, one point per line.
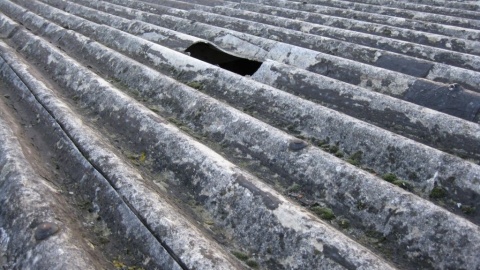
[213, 173]
[461, 103]
[254, 47]
[458, 18]
[407, 120]
[441, 28]
[349, 147]
[392, 33]
[34, 229]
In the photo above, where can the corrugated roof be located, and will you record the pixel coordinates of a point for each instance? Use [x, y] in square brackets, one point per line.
[215, 134]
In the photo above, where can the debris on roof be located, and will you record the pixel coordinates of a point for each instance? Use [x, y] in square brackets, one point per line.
[211, 134]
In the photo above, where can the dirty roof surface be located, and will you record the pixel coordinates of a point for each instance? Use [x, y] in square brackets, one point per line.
[209, 134]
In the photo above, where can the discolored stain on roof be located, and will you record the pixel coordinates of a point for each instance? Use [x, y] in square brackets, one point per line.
[211, 134]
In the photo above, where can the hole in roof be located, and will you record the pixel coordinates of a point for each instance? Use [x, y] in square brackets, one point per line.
[208, 53]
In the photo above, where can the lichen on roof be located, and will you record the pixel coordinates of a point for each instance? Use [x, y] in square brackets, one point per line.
[211, 134]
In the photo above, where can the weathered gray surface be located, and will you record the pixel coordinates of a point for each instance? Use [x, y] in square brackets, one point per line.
[208, 169]
[420, 25]
[461, 18]
[94, 191]
[28, 200]
[150, 203]
[213, 174]
[392, 33]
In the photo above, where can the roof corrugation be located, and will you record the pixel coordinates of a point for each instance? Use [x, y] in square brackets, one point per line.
[355, 144]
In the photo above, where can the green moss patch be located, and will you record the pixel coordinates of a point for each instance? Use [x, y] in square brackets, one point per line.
[252, 264]
[356, 158]
[195, 85]
[294, 188]
[438, 193]
[390, 177]
[468, 210]
[323, 212]
[403, 184]
[240, 255]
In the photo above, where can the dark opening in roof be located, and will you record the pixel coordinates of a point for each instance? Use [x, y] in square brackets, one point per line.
[212, 55]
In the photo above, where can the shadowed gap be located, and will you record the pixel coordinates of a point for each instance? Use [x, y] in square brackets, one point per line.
[212, 55]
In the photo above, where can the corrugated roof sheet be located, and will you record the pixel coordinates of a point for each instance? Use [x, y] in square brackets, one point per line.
[212, 134]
